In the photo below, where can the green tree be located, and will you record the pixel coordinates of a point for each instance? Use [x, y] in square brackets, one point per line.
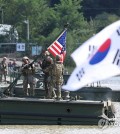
[69, 11]
[47, 19]
[104, 19]
[16, 12]
[91, 8]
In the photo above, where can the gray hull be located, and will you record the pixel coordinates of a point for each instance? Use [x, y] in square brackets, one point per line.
[15, 110]
[84, 107]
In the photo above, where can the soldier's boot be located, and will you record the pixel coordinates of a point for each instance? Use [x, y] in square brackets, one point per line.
[66, 95]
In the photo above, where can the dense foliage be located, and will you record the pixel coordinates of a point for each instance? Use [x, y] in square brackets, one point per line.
[48, 17]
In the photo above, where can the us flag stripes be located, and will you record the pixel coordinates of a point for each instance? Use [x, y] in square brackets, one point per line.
[58, 47]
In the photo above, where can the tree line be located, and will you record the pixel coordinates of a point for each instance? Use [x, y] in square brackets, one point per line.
[48, 17]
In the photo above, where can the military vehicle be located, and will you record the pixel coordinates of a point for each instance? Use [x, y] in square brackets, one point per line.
[76, 108]
[83, 107]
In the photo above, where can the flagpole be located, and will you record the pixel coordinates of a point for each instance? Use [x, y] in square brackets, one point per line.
[66, 25]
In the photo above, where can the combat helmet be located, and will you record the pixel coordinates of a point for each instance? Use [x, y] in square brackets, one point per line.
[25, 58]
[57, 58]
[4, 58]
[47, 53]
[49, 60]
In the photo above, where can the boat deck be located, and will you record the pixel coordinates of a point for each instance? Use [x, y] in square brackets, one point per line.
[28, 99]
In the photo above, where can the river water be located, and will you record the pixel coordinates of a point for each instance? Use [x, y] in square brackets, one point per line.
[114, 83]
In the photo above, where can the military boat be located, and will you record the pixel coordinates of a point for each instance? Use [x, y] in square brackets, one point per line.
[35, 111]
[89, 92]
[74, 109]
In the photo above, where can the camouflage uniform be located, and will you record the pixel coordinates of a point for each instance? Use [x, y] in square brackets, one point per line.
[45, 67]
[28, 72]
[3, 69]
[51, 89]
[57, 74]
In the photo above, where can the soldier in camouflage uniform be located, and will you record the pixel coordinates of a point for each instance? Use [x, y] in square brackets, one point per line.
[3, 69]
[51, 89]
[46, 63]
[57, 74]
[28, 72]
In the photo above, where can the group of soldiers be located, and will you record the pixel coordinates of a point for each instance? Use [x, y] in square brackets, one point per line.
[6, 68]
[53, 76]
[53, 70]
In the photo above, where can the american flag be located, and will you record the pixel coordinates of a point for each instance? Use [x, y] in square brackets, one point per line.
[58, 47]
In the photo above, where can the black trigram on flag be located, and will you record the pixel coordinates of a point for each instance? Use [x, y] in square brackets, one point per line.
[118, 31]
[80, 74]
[91, 48]
[117, 58]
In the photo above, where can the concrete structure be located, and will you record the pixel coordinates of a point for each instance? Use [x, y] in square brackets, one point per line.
[9, 30]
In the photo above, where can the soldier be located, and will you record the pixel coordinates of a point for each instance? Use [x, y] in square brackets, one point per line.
[58, 70]
[45, 65]
[28, 71]
[51, 91]
[14, 68]
[14, 64]
[3, 69]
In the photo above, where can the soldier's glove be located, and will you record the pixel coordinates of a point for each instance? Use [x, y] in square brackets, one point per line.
[26, 66]
[31, 65]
